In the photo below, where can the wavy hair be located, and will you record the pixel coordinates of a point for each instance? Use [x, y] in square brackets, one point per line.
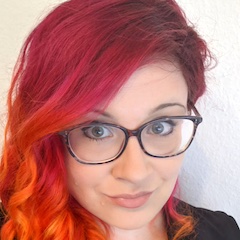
[79, 57]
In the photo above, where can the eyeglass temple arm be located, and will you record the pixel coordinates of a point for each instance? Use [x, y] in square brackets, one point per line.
[193, 108]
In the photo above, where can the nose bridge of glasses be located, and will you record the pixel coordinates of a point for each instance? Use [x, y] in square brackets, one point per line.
[134, 133]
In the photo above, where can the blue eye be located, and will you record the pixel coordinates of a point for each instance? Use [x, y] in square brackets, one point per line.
[97, 132]
[161, 128]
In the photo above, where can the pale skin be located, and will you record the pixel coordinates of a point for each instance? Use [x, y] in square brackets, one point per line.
[154, 90]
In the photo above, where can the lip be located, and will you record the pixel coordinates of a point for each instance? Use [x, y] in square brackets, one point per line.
[131, 200]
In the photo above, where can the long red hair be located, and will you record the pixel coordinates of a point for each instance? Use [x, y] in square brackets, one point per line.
[79, 56]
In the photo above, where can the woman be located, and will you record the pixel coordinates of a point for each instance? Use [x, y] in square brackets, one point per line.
[101, 111]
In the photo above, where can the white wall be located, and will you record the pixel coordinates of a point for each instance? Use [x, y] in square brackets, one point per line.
[211, 174]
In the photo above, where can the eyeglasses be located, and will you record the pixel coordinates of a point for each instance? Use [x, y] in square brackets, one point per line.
[98, 143]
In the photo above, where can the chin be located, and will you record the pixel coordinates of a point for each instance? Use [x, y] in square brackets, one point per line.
[136, 221]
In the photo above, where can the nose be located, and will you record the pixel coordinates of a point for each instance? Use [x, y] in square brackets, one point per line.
[133, 165]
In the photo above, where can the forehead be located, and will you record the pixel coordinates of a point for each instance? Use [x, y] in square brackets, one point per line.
[164, 74]
[148, 87]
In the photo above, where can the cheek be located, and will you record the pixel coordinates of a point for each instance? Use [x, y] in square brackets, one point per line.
[83, 179]
[78, 176]
[80, 181]
[170, 167]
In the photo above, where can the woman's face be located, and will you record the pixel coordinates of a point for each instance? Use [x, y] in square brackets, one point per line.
[129, 192]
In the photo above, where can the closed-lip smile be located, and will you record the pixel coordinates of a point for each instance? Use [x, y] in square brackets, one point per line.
[131, 200]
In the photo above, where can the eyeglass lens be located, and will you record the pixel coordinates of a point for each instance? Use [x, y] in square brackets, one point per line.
[100, 142]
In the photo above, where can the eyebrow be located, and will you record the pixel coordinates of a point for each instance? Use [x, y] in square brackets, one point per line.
[166, 105]
[159, 107]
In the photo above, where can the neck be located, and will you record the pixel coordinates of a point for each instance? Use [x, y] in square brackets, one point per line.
[155, 230]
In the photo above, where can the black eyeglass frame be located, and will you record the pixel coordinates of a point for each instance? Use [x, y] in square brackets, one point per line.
[197, 119]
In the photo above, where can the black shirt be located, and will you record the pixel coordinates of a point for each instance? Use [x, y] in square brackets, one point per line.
[210, 225]
[215, 225]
